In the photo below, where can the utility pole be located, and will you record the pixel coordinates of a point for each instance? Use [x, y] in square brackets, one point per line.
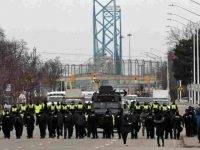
[129, 55]
[129, 49]
[198, 63]
[194, 64]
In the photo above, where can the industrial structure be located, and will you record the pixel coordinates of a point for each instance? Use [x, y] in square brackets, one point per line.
[107, 36]
[107, 67]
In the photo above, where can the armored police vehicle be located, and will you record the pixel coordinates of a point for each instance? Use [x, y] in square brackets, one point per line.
[106, 98]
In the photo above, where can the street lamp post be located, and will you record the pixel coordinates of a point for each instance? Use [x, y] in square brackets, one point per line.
[129, 53]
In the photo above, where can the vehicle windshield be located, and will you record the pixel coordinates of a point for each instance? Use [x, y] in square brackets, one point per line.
[106, 98]
[131, 97]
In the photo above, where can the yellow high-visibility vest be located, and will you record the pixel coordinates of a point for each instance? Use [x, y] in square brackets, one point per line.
[23, 108]
[146, 107]
[155, 106]
[89, 107]
[165, 108]
[80, 106]
[137, 107]
[38, 108]
[58, 107]
[64, 107]
[72, 107]
[173, 106]
[52, 107]
[14, 109]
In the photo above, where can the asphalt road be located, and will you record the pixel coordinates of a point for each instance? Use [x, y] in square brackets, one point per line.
[83, 144]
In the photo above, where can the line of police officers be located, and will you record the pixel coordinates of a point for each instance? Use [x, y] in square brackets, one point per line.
[61, 119]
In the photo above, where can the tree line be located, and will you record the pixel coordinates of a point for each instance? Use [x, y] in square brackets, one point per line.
[23, 69]
[180, 58]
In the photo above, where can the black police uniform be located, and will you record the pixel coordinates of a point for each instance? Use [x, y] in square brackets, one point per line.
[149, 122]
[188, 119]
[18, 124]
[135, 122]
[118, 121]
[81, 123]
[125, 127]
[159, 123]
[7, 124]
[29, 122]
[177, 125]
[42, 124]
[57, 124]
[168, 124]
[107, 125]
[92, 124]
[50, 124]
[68, 123]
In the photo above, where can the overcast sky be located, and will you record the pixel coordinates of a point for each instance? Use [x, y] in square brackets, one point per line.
[65, 26]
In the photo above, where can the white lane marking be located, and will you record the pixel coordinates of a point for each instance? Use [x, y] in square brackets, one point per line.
[97, 147]
[107, 144]
[114, 140]
[19, 147]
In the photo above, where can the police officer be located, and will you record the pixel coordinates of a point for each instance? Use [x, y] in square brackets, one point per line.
[164, 108]
[38, 108]
[18, 124]
[72, 107]
[64, 108]
[168, 122]
[52, 107]
[80, 122]
[159, 124]
[14, 110]
[92, 124]
[155, 107]
[59, 124]
[29, 122]
[118, 121]
[135, 122]
[107, 124]
[7, 125]
[50, 124]
[59, 107]
[174, 108]
[88, 107]
[23, 108]
[41, 121]
[137, 108]
[80, 107]
[149, 123]
[125, 127]
[177, 125]
[68, 123]
[31, 108]
[188, 119]
[146, 107]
